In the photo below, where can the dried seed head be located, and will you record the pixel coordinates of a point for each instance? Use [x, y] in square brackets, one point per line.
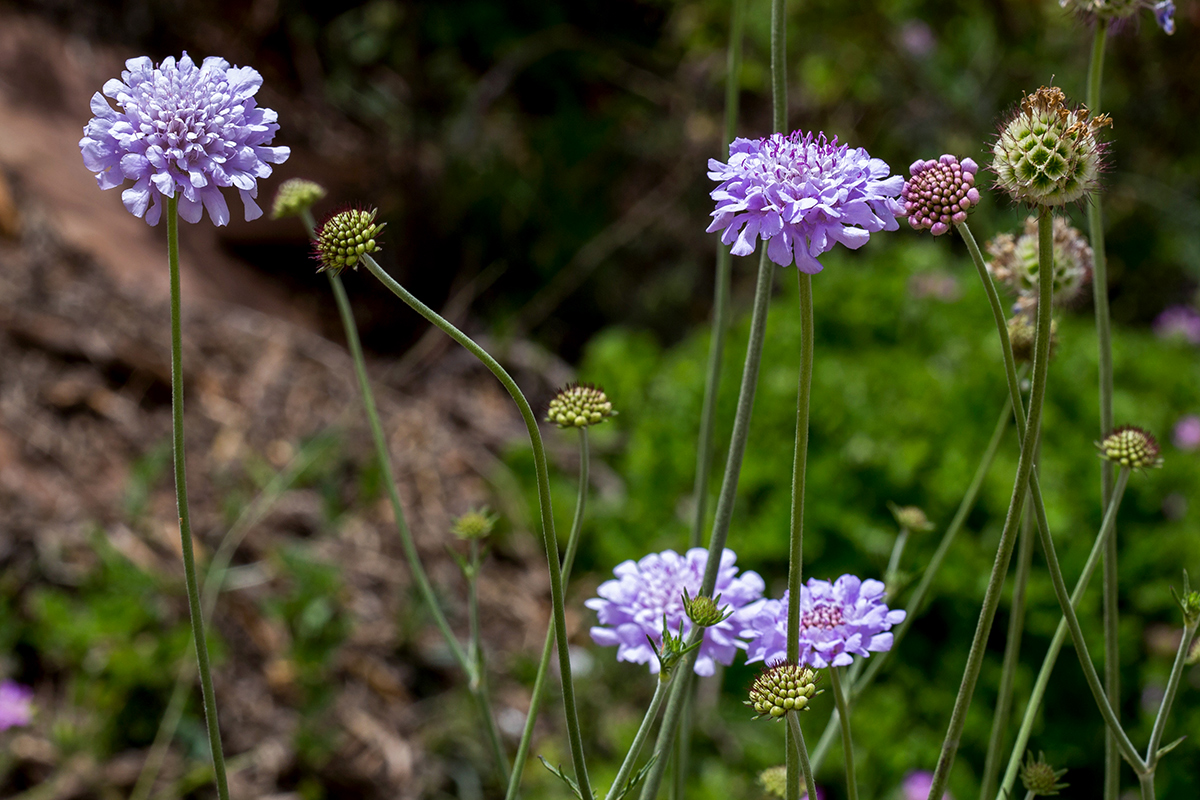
[1131, 447]
[1015, 261]
[578, 406]
[781, 688]
[1039, 778]
[295, 196]
[1022, 334]
[1047, 154]
[939, 193]
[345, 237]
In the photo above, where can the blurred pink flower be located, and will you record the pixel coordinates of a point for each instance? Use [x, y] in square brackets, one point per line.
[1179, 322]
[1187, 432]
[917, 784]
[16, 708]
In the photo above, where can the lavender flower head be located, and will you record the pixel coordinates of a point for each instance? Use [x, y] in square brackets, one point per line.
[940, 193]
[16, 706]
[1187, 432]
[838, 621]
[917, 784]
[801, 195]
[632, 607]
[1179, 322]
[186, 128]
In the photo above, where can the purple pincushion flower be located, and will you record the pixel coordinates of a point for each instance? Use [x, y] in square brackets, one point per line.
[940, 193]
[1179, 322]
[633, 606]
[186, 128]
[16, 706]
[1187, 432]
[838, 620]
[917, 784]
[801, 195]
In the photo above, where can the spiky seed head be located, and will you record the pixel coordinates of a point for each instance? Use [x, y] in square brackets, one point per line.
[295, 196]
[705, 611]
[1015, 261]
[910, 517]
[1047, 154]
[782, 687]
[478, 523]
[940, 193]
[345, 237]
[1040, 778]
[579, 405]
[1131, 447]
[1022, 334]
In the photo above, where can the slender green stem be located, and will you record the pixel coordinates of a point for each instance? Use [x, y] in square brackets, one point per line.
[474, 641]
[892, 571]
[917, 600]
[1060, 636]
[181, 501]
[467, 662]
[797, 737]
[1004, 550]
[1085, 660]
[989, 286]
[1112, 652]
[1012, 655]
[547, 511]
[539, 683]
[1164, 708]
[639, 739]
[839, 697]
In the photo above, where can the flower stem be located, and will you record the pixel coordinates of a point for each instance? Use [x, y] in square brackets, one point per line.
[839, 697]
[468, 663]
[1164, 709]
[797, 737]
[1060, 635]
[799, 466]
[181, 502]
[1112, 653]
[539, 683]
[660, 694]
[1004, 550]
[1012, 654]
[876, 662]
[547, 512]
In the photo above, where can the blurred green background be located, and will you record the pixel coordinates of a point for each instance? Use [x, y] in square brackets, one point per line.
[532, 145]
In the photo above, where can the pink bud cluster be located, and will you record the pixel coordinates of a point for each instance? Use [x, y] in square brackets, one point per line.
[940, 193]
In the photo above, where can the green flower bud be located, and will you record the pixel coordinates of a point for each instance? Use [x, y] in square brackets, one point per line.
[705, 611]
[578, 406]
[295, 195]
[345, 237]
[910, 517]
[1039, 777]
[1047, 154]
[781, 688]
[1131, 447]
[1189, 602]
[475, 524]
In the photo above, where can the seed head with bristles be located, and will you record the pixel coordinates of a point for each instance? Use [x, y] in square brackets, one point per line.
[1131, 447]
[782, 687]
[1039, 778]
[295, 196]
[1047, 153]
[579, 405]
[346, 236]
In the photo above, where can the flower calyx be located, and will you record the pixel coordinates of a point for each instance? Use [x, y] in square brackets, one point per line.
[295, 196]
[1189, 603]
[782, 687]
[478, 523]
[705, 611]
[1131, 447]
[672, 650]
[345, 237]
[910, 518]
[1039, 778]
[579, 405]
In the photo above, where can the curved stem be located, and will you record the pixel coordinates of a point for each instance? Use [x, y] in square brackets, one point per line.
[917, 600]
[181, 502]
[547, 512]
[539, 683]
[635, 748]
[797, 737]
[839, 697]
[1164, 708]
[1012, 654]
[1004, 550]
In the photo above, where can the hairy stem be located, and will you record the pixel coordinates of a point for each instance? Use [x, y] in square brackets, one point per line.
[635, 748]
[839, 697]
[797, 737]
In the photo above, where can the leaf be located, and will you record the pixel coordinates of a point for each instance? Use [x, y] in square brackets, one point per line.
[637, 778]
[569, 781]
[1164, 750]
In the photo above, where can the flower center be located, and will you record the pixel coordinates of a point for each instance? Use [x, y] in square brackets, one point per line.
[827, 617]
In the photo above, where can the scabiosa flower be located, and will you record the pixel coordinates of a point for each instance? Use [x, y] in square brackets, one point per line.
[781, 688]
[1164, 10]
[838, 621]
[16, 706]
[579, 405]
[1187, 432]
[801, 194]
[633, 607]
[1015, 263]
[1047, 154]
[186, 128]
[1132, 447]
[940, 193]
[1178, 322]
[917, 784]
